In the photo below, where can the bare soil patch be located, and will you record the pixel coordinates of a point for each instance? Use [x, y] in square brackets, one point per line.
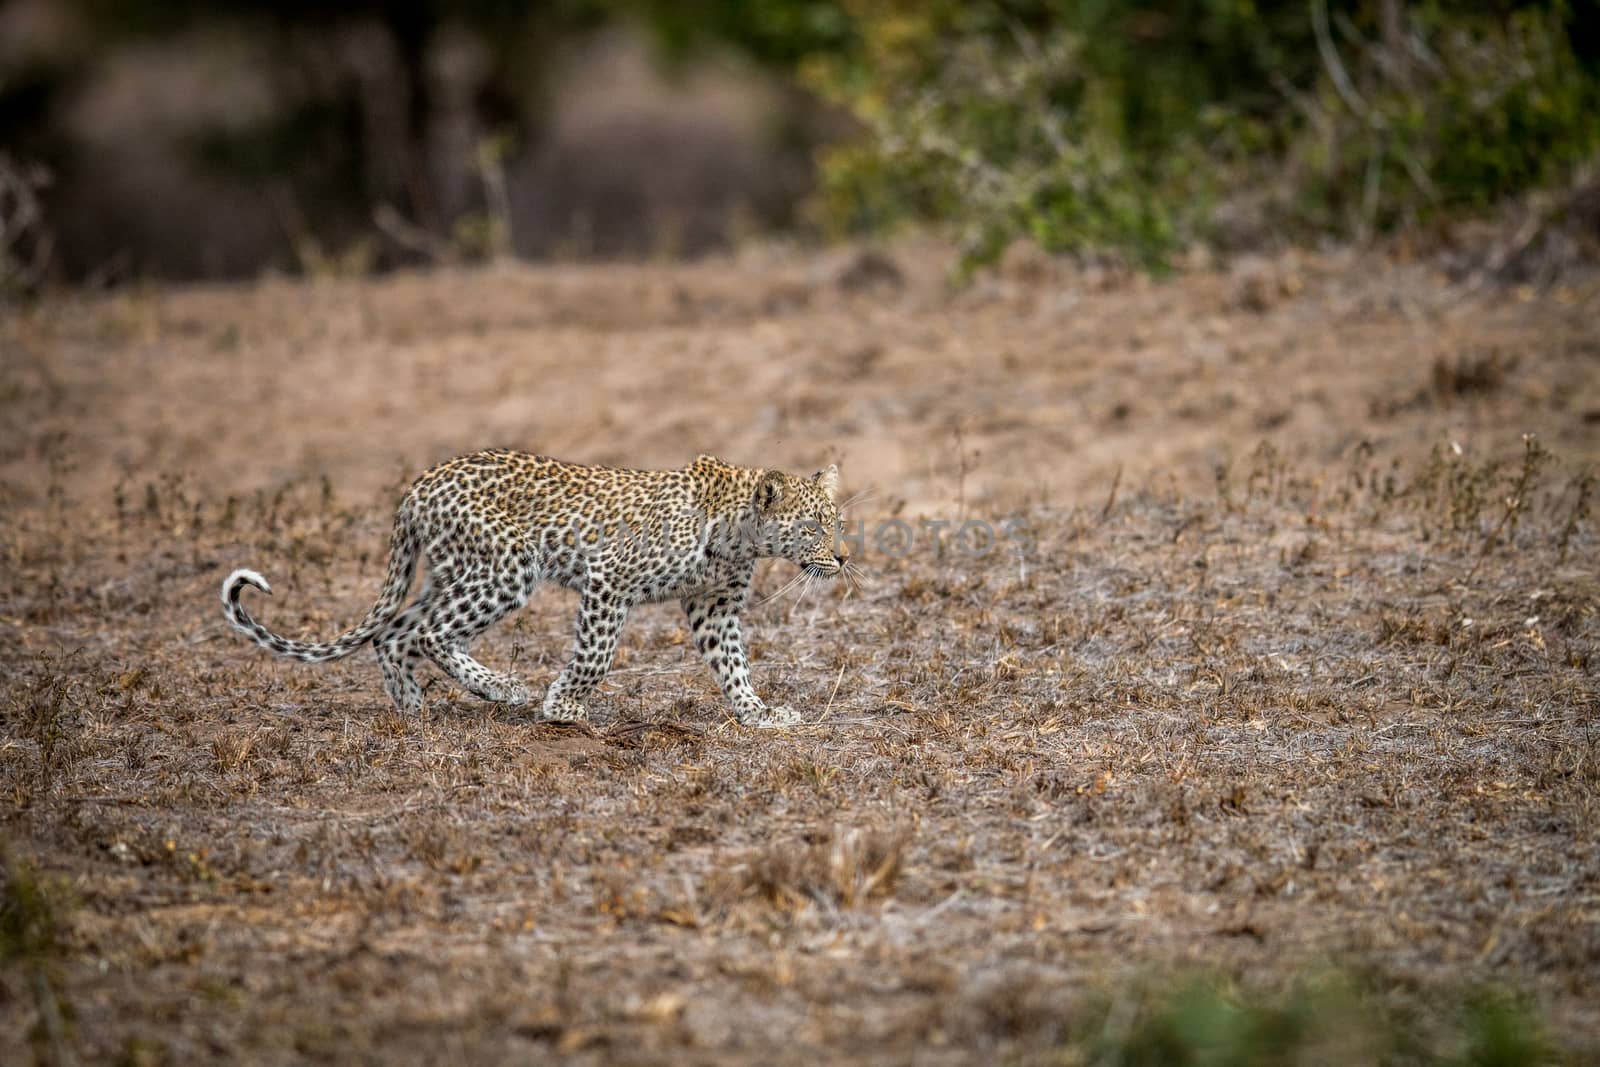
[1299, 673]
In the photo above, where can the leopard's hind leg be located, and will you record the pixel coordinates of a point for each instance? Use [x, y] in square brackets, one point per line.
[466, 602]
[399, 652]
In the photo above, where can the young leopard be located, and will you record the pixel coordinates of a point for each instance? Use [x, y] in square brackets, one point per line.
[494, 524]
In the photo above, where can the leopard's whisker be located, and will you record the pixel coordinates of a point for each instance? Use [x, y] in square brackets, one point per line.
[802, 586]
[805, 590]
[847, 577]
[782, 589]
[859, 498]
[855, 575]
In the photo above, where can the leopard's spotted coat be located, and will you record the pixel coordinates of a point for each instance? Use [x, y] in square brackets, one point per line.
[494, 524]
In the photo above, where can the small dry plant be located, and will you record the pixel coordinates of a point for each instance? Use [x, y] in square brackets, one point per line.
[846, 870]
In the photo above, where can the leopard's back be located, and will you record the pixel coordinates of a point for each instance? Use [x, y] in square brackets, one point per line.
[643, 529]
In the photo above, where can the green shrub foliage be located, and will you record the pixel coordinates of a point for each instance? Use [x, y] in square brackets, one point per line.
[1137, 128]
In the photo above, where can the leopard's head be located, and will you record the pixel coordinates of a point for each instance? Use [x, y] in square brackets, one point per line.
[797, 518]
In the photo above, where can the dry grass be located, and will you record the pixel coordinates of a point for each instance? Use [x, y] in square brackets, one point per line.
[1312, 687]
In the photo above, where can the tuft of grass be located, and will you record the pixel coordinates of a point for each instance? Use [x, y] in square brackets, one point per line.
[33, 913]
[440, 846]
[1535, 457]
[1501, 1030]
[43, 713]
[1579, 512]
[1471, 374]
[1323, 1017]
[232, 751]
[845, 870]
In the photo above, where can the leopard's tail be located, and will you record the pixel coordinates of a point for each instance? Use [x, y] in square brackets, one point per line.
[404, 548]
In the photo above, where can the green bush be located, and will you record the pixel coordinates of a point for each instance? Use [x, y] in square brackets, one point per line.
[1000, 138]
[1475, 110]
[1328, 1017]
[1122, 128]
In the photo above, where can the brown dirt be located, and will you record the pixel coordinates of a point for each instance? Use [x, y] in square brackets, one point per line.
[1304, 687]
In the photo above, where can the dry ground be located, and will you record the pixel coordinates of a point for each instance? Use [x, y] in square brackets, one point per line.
[1309, 683]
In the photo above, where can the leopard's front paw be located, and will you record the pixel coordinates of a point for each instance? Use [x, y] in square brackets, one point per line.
[771, 718]
[514, 694]
[563, 709]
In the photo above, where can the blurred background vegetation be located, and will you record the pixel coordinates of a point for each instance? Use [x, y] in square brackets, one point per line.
[184, 139]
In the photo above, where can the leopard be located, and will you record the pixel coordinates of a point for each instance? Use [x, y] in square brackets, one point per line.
[492, 526]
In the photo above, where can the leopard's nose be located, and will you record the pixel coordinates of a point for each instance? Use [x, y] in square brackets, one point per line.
[843, 554]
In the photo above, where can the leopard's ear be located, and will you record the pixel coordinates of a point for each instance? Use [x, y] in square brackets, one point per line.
[827, 480]
[769, 492]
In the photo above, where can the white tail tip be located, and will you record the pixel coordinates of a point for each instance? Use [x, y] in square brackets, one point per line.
[244, 577]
